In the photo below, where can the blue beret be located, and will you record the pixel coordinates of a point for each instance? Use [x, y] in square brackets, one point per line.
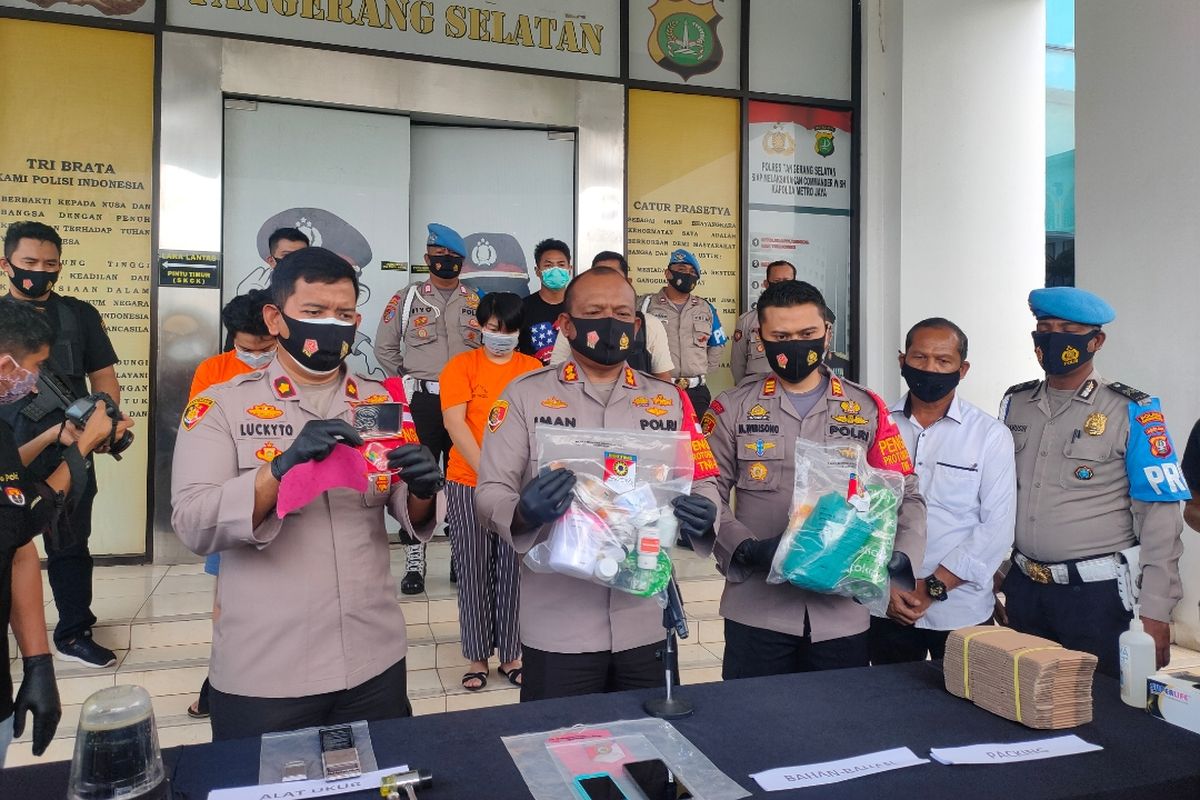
[1071, 304]
[442, 236]
[682, 256]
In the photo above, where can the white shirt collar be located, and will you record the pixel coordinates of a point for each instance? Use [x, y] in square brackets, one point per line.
[954, 412]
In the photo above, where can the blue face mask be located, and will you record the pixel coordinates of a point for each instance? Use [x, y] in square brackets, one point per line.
[254, 361]
[555, 278]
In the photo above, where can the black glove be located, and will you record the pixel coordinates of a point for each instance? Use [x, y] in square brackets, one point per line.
[696, 515]
[418, 468]
[546, 497]
[757, 553]
[315, 443]
[38, 695]
[900, 570]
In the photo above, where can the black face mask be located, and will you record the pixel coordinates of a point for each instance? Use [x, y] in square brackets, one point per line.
[929, 387]
[320, 346]
[447, 266]
[683, 282]
[794, 360]
[1063, 352]
[605, 340]
[31, 283]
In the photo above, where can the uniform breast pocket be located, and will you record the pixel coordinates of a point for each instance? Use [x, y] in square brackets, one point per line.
[760, 460]
[1086, 461]
[469, 325]
[378, 490]
[253, 453]
[955, 486]
[701, 331]
[422, 329]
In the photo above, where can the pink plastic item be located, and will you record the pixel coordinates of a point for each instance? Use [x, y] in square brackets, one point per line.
[344, 468]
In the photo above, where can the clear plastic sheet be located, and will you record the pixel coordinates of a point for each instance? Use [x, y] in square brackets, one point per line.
[279, 750]
[842, 526]
[620, 526]
[550, 761]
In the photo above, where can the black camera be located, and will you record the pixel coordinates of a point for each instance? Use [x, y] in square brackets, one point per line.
[79, 412]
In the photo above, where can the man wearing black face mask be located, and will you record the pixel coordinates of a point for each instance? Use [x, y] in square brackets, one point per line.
[83, 358]
[422, 328]
[1098, 492]
[773, 629]
[579, 637]
[964, 458]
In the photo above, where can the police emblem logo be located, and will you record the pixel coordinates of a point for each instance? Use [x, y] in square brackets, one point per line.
[422, 333]
[811, 358]
[656, 411]
[850, 407]
[389, 311]
[14, 495]
[760, 447]
[757, 412]
[623, 344]
[27, 284]
[1084, 472]
[782, 360]
[1070, 356]
[283, 388]
[708, 422]
[377, 398]
[310, 347]
[778, 142]
[472, 300]
[420, 321]
[663, 400]
[383, 483]
[1095, 424]
[554, 402]
[758, 471]
[1160, 446]
[684, 37]
[268, 452]
[592, 338]
[345, 350]
[497, 414]
[265, 411]
[195, 411]
[641, 401]
[737, 335]
[823, 140]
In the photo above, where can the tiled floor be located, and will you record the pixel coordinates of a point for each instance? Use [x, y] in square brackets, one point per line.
[158, 620]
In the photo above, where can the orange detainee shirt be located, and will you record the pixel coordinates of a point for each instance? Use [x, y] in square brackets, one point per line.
[217, 369]
[472, 379]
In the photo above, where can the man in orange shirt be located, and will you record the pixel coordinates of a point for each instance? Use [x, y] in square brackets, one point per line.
[253, 344]
[489, 569]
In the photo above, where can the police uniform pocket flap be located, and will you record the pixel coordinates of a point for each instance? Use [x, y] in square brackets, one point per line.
[1089, 448]
[422, 328]
[253, 453]
[760, 448]
[702, 328]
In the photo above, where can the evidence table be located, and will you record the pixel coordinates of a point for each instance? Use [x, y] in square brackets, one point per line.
[748, 726]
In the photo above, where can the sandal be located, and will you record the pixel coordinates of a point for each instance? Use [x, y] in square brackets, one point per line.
[513, 675]
[474, 676]
[199, 709]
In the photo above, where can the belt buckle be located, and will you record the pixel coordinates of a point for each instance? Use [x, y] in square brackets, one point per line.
[682, 383]
[1038, 573]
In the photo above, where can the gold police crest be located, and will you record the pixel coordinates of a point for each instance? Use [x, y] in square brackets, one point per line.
[778, 142]
[684, 37]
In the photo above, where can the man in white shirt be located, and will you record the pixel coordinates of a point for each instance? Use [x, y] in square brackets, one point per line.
[964, 459]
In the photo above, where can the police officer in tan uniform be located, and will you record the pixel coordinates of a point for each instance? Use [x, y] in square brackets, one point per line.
[579, 637]
[310, 632]
[772, 629]
[694, 329]
[748, 357]
[422, 328]
[1096, 477]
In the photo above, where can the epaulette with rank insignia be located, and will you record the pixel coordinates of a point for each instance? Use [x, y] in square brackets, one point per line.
[1136, 395]
[1021, 387]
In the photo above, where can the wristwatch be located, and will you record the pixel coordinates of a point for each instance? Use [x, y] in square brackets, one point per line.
[936, 589]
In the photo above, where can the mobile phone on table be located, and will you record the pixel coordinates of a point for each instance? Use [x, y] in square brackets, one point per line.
[657, 781]
[599, 786]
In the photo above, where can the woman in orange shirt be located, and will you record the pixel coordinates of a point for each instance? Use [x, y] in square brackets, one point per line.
[488, 568]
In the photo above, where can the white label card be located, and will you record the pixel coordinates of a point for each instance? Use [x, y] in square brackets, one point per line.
[1013, 751]
[316, 788]
[778, 780]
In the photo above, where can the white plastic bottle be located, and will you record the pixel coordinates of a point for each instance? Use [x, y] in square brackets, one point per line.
[651, 537]
[1137, 662]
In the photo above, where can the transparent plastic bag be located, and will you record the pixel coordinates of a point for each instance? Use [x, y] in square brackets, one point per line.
[842, 526]
[551, 761]
[620, 526]
[289, 749]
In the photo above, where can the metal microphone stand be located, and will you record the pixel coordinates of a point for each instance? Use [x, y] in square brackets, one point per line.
[671, 707]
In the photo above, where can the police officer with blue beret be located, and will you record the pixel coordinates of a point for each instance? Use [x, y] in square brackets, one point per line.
[1098, 493]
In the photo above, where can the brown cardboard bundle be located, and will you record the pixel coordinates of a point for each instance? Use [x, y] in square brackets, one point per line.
[1028, 679]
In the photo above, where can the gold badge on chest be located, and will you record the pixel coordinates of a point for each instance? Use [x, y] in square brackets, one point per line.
[1095, 424]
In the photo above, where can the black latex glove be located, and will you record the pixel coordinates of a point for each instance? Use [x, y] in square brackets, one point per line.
[696, 515]
[546, 497]
[900, 570]
[418, 468]
[315, 443]
[757, 553]
[39, 696]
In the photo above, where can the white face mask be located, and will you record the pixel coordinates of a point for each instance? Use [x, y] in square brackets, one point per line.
[16, 382]
[254, 360]
[500, 344]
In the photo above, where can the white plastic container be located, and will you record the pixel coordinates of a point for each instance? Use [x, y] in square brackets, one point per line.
[1137, 662]
[574, 548]
[651, 538]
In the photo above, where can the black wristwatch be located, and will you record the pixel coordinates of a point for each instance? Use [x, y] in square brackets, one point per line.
[936, 589]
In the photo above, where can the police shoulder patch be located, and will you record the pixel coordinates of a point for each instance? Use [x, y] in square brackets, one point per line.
[1022, 387]
[195, 411]
[1136, 395]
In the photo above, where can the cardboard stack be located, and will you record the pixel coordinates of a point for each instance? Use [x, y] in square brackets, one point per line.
[1024, 678]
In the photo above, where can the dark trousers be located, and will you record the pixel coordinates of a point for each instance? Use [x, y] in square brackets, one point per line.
[383, 697]
[756, 652]
[1079, 616]
[892, 643]
[547, 675]
[431, 430]
[701, 399]
[69, 569]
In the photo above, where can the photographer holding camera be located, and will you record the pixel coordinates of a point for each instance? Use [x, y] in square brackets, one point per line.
[29, 507]
[82, 364]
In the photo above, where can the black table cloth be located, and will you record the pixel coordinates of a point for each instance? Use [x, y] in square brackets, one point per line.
[752, 725]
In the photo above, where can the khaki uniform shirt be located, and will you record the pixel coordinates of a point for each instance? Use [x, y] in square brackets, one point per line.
[1095, 477]
[437, 329]
[748, 357]
[752, 429]
[308, 603]
[694, 333]
[559, 613]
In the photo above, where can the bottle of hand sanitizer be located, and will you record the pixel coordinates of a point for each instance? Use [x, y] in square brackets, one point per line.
[1137, 662]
